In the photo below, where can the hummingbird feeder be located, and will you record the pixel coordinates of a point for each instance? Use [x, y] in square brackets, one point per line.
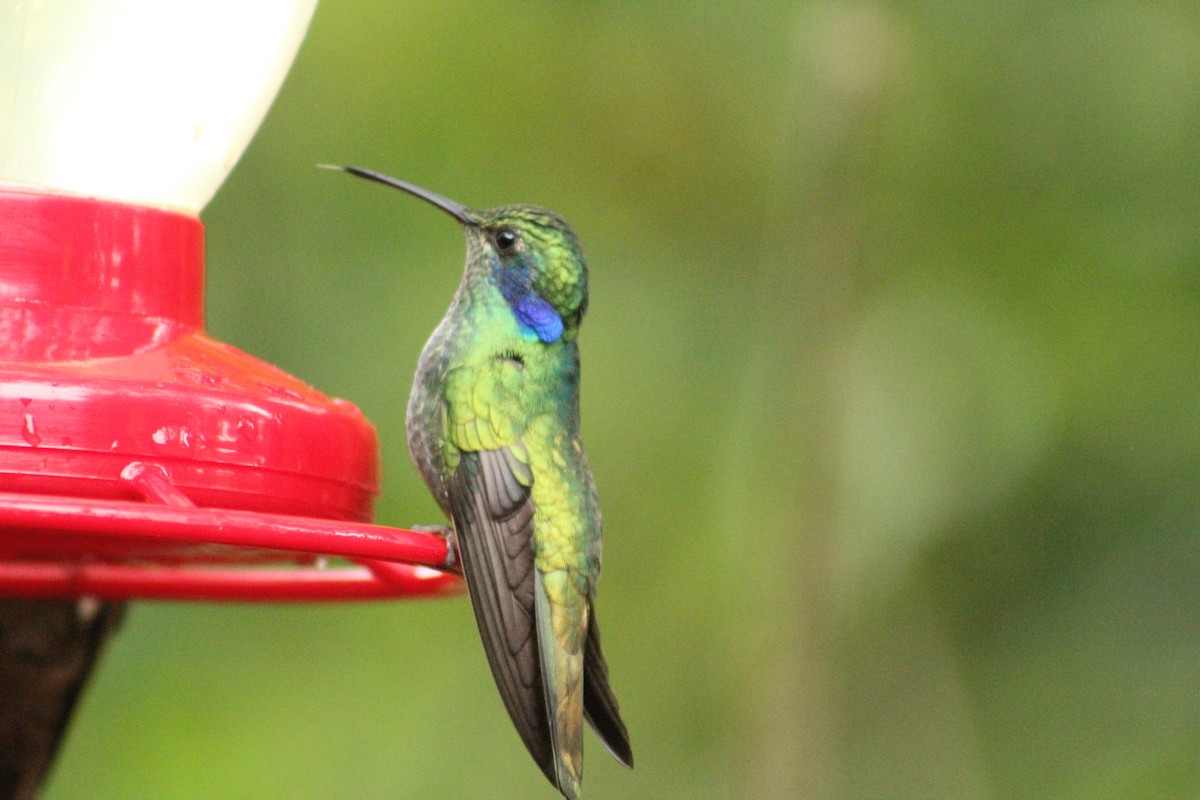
[139, 457]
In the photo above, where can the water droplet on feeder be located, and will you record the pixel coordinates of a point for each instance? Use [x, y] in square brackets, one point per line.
[247, 429]
[29, 431]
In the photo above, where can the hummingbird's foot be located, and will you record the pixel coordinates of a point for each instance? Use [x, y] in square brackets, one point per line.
[446, 534]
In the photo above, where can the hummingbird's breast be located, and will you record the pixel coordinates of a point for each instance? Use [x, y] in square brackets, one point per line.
[476, 326]
[497, 379]
[425, 423]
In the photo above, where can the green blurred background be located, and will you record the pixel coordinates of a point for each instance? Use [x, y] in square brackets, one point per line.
[890, 391]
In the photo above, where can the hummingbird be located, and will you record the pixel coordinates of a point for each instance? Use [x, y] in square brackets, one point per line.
[493, 428]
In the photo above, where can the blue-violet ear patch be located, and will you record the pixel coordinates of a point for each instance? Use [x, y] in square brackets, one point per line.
[538, 316]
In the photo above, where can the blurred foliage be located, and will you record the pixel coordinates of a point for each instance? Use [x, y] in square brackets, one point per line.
[890, 391]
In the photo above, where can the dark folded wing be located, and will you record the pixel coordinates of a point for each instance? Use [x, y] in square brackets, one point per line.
[599, 702]
[492, 508]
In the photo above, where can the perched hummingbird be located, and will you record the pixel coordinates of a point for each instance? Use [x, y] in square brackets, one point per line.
[493, 427]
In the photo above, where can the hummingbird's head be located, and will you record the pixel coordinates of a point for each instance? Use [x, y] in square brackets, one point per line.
[536, 261]
[530, 254]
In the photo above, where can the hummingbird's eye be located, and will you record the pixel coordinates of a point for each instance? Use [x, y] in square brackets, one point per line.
[506, 239]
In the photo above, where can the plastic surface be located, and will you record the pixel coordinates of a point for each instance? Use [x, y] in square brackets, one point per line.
[140, 101]
[131, 441]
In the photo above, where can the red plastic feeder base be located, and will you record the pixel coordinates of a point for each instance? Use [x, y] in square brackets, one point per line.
[141, 458]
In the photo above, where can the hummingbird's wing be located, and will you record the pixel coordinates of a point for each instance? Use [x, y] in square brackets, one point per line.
[492, 509]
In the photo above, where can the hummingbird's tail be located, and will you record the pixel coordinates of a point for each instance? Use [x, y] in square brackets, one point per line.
[599, 702]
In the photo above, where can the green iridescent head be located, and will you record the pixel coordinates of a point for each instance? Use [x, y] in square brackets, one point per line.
[530, 254]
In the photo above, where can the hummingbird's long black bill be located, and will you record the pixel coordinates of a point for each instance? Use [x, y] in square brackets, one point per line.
[456, 210]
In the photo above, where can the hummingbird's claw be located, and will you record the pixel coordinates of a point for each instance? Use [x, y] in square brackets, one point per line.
[453, 562]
